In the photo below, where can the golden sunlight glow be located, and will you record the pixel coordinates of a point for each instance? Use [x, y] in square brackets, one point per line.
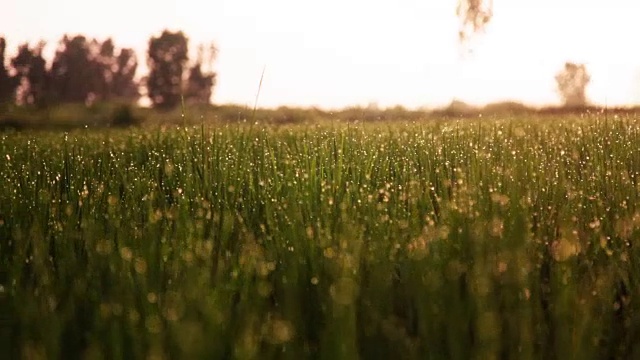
[353, 52]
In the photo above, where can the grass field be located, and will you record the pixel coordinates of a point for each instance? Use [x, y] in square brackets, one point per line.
[476, 239]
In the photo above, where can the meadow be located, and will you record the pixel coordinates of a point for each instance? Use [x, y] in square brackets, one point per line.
[459, 239]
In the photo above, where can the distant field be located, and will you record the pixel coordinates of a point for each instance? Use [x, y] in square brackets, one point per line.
[476, 239]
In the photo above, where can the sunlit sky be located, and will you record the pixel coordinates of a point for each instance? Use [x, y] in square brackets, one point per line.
[336, 53]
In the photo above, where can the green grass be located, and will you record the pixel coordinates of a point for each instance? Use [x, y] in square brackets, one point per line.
[479, 239]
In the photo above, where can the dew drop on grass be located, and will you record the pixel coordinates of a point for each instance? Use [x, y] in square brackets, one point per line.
[140, 266]
[126, 254]
[153, 324]
[344, 291]
[329, 253]
[264, 289]
[152, 298]
[283, 331]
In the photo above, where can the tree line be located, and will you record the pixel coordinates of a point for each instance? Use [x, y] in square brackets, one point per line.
[85, 70]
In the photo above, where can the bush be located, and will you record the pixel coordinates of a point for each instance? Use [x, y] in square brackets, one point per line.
[123, 116]
[11, 124]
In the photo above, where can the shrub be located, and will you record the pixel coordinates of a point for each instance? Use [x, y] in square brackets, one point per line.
[123, 116]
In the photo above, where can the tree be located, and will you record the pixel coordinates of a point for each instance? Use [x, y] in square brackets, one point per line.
[200, 83]
[572, 83]
[31, 75]
[75, 75]
[167, 55]
[105, 61]
[8, 83]
[116, 78]
[474, 15]
[123, 83]
[87, 70]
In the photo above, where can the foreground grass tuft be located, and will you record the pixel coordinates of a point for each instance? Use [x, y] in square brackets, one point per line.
[447, 240]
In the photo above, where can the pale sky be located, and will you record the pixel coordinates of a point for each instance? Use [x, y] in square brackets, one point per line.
[336, 53]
